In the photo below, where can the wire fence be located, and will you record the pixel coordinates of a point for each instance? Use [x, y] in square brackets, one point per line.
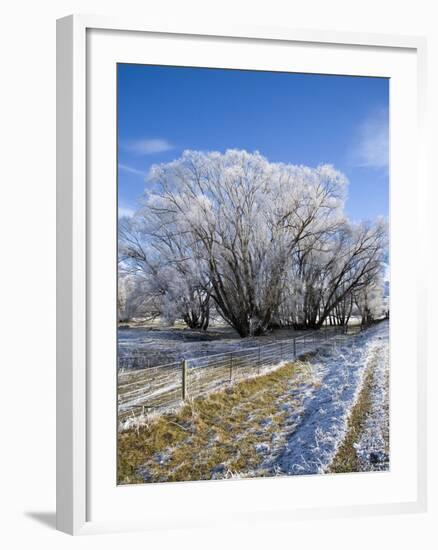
[165, 386]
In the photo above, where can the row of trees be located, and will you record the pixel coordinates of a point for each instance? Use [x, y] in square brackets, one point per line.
[259, 244]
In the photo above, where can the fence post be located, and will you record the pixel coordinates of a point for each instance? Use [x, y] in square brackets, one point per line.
[184, 379]
[231, 367]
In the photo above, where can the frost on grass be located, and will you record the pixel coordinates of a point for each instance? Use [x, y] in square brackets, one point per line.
[289, 421]
[372, 448]
[224, 434]
[312, 446]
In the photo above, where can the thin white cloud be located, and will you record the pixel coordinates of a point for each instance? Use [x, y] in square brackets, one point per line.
[372, 147]
[131, 170]
[148, 146]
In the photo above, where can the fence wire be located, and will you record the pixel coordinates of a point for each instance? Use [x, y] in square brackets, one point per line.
[142, 388]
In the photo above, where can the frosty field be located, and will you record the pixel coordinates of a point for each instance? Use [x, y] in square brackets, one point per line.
[253, 273]
[294, 419]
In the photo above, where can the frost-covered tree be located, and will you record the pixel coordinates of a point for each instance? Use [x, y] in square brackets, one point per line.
[134, 298]
[371, 302]
[170, 278]
[241, 220]
[359, 252]
[262, 243]
[325, 278]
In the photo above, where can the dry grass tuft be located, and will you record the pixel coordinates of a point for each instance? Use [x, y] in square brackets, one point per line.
[212, 436]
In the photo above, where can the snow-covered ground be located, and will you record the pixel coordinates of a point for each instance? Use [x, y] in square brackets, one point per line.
[318, 420]
[372, 448]
[300, 427]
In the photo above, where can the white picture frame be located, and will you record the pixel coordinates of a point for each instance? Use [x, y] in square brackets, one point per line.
[77, 368]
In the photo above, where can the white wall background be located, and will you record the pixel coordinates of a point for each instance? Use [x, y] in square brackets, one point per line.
[27, 297]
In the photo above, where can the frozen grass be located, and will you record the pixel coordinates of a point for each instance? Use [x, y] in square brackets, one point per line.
[302, 418]
[366, 443]
[346, 459]
[220, 435]
[323, 424]
[372, 448]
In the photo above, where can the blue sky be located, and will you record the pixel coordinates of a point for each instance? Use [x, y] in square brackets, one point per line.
[297, 118]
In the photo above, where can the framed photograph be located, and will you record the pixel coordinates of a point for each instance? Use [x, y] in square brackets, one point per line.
[241, 216]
